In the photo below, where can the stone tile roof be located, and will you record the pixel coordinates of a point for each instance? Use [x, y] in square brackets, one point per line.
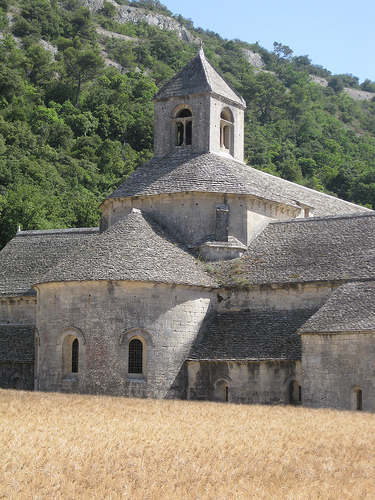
[30, 254]
[196, 77]
[255, 335]
[136, 248]
[307, 250]
[17, 343]
[350, 308]
[213, 173]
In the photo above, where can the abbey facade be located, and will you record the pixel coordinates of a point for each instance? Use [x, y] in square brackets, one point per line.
[206, 280]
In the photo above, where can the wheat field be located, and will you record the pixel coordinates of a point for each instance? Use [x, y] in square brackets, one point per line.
[58, 446]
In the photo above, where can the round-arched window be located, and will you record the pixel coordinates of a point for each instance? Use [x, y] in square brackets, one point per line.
[135, 362]
[226, 130]
[183, 127]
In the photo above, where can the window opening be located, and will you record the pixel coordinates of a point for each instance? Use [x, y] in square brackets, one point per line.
[226, 128]
[135, 356]
[189, 130]
[184, 127]
[356, 398]
[17, 383]
[184, 113]
[359, 399]
[295, 393]
[180, 134]
[75, 352]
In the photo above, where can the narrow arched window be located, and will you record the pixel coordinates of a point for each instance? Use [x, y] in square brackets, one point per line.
[184, 127]
[356, 398]
[226, 130]
[295, 393]
[70, 355]
[359, 399]
[75, 352]
[135, 364]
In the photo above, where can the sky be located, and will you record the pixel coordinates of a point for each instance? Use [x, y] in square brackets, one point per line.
[338, 35]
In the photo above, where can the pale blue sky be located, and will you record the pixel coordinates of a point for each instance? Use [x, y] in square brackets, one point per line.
[339, 35]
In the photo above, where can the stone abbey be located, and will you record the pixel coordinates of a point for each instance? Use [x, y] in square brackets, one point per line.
[206, 280]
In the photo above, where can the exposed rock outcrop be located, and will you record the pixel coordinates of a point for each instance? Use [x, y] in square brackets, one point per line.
[126, 14]
[253, 58]
[359, 95]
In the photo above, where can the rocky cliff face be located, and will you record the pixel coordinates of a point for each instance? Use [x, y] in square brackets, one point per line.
[126, 14]
[253, 58]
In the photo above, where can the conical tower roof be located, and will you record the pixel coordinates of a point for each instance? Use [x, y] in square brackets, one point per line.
[136, 248]
[196, 77]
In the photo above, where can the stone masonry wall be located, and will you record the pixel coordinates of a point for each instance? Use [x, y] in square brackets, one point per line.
[165, 129]
[192, 215]
[291, 296]
[17, 376]
[238, 124]
[104, 316]
[334, 365]
[17, 310]
[262, 382]
[206, 112]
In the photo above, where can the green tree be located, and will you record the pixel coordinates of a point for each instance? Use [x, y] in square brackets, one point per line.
[336, 84]
[83, 65]
[282, 52]
[38, 64]
[108, 10]
[265, 94]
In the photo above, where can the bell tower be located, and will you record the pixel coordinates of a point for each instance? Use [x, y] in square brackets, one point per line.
[197, 111]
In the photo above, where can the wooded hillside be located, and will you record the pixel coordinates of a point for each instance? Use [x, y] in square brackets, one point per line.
[73, 127]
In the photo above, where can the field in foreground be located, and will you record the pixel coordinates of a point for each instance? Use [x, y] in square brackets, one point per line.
[95, 447]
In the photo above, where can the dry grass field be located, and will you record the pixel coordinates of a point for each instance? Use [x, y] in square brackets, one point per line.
[55, 446]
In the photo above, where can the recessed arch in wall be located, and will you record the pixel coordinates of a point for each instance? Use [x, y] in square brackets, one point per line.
[72, 330]
[294, 392]
[16, 381]
[221, 389]
[293, 388]
[356, 398]
[137, 344]
[70, 343]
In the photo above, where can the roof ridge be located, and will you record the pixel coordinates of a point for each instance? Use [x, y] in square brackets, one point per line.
[206, 61]
[160, 91]
[135, 248]
[323, 217]
[43, 232]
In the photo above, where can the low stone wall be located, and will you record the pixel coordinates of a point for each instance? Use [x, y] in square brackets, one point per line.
[257, 382]
[17, 376]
